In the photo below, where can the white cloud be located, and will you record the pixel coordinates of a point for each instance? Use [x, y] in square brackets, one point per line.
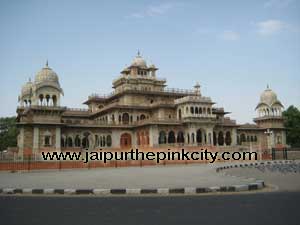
[230, 35]
[154, 10]
[270, 27]
[277, 3]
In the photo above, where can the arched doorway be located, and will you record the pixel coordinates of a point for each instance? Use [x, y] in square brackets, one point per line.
[180, 137]
[228, 138]
[199, 136]
[162, 139]
[125, 140]
[221, 138]
[171, 137]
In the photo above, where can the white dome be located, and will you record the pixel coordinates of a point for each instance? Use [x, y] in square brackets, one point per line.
[139, 62]
[268, 97]
[46, 75]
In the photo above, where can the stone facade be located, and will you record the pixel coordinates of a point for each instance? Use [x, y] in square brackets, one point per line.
[140, 112]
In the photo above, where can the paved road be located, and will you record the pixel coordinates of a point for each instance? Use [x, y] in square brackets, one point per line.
[199, 175]
[263, 208]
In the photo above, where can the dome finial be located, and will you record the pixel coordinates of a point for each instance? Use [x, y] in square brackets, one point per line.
[47, 63]
[138, 53]
[268, 87]
[29, 79]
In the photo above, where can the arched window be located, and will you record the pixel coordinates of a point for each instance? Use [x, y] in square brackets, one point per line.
[204, 110]
[179, 114]
[187, 109]
[255, 138]
[200, 110]
[142, 117]
[188, 138]
[228, 138]
[125, 118]
[162, 139]
[251, 139]
[196, 110]
[171, 137]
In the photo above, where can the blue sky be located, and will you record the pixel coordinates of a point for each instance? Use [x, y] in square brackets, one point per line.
[233, 48]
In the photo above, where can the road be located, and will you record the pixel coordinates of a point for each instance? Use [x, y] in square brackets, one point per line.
[261, 208]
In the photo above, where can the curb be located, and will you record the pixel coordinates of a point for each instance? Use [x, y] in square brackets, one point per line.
[257, 185]
[247, 165]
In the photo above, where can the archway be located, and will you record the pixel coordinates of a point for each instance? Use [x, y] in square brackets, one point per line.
[221, 138]
[228, 138]
[125, 140]
[125, 118]
[180, 137]
[162, 138]
[199, 136]
[171, 137]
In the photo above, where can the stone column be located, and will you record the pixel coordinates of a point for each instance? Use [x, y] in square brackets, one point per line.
[35, 142]
[57, 139]
[153, 136]
[233, 137]
[21, 144]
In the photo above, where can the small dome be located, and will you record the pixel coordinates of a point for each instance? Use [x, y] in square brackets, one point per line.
[139, 61]
[46, 75]
[26, 88]
[268, 97]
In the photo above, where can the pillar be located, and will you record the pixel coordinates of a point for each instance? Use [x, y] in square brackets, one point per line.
[57, 139]
[35, 141]
[21, 144]
[233, 137]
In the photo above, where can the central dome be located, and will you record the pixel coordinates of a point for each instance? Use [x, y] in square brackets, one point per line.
[268, 97]
[139, 61]
[46, 75]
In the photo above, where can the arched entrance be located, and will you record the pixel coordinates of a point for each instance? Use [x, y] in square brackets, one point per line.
[180, 137]
[199, 136]
[171, 137]
[228, 138]
[125, 140]
[221, 138]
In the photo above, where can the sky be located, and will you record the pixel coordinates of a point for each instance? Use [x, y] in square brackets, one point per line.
[232, 48]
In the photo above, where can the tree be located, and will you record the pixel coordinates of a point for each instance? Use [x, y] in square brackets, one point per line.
[292, 123]
[8, 132]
